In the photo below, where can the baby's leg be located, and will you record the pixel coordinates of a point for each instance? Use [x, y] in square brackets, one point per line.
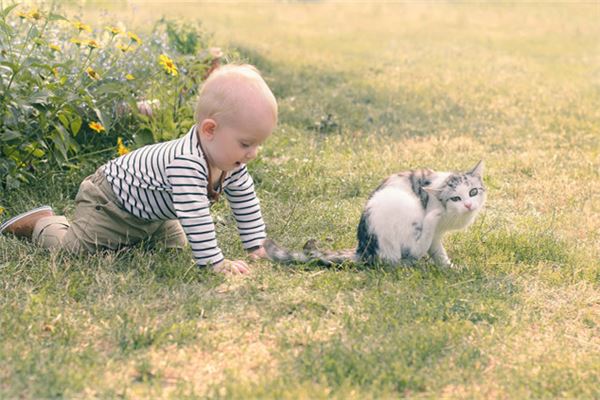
[169, 235]
[98, 222]
[50, 232]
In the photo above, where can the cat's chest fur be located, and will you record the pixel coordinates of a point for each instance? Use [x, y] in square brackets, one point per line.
[453, 222]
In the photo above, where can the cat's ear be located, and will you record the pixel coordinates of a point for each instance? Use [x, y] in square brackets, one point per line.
[432, 191]
[477, 170]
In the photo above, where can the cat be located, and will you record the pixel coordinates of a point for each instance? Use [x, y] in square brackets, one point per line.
[404, 220]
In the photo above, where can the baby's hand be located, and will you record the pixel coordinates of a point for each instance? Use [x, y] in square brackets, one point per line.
[236, 267]
[258, 253]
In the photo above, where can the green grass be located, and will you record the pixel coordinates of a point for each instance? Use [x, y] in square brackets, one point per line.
[405, 86]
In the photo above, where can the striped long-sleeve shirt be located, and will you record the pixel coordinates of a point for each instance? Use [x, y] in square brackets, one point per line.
[169, 181]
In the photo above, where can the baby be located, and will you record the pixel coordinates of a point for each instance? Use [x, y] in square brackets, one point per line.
[162, 193]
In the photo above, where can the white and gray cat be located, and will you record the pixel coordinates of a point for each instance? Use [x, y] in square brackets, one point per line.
[405, 219]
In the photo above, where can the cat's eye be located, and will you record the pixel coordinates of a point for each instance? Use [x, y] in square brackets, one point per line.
[473, 192]
[455, 198]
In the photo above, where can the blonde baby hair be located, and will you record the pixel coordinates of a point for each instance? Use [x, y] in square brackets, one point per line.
[226, 90]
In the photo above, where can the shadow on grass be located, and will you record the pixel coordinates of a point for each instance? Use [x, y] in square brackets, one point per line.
[330, 102]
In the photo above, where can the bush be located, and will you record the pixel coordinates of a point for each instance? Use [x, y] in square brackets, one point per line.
[70, 91]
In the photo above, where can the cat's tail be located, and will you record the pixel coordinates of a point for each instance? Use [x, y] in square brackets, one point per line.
[310, 254]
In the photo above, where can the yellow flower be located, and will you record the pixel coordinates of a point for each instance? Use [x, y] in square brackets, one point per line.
[114, 30]
[92, 44]
[92, 74]
[76, 41]
[96, 126]
[129, 77]
[54, 47]
[124, 48]
[81, 26]
[55, 72]
[1, 210]
[134, 37]
[168, 65]
[121, 148]
[35, 14]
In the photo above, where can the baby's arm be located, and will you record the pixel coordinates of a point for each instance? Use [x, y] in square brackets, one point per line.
[239, 190]
[188, 179]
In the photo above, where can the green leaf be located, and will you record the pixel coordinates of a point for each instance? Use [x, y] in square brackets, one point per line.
[39, 98]
[14, 67]
[73, 146]
[35, 150]
[56, 17]
[108, 88]
[9, 134]
[47, 67]
[59, 144]
[8, 150]
[35, 32]
[7, 28]
[64, 135]
[76, 124]
[63, 119]
[143, 137]
[12, 183]
[7, 10]
[39, 153]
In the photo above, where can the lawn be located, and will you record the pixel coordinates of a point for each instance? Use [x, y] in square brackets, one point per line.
[364, 90]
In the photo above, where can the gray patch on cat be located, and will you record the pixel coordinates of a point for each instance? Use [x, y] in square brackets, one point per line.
[282, 255]
[448, 190]
[368, 246]
[418, 230]
[310, 254]
[406, 254]
[418, 179]
[455, 180]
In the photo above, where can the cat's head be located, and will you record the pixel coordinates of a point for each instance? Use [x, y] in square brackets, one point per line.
[462, 193]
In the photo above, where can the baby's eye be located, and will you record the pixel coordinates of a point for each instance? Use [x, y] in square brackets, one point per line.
[455, 198]
[245, 145]
[473, 192]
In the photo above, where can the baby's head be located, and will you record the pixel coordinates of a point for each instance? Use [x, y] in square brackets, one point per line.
[236, 112]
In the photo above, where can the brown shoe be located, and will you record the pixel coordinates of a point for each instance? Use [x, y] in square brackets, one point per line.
[22, 225]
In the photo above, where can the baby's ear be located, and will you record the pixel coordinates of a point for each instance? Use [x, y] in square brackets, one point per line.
[477, 170]
[207, 128]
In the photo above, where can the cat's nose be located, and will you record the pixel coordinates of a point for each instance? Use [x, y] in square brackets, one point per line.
[469, 205]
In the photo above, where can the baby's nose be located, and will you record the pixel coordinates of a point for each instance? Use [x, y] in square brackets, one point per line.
[252, 153]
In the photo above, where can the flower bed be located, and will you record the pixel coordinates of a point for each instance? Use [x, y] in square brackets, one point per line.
[71, 90]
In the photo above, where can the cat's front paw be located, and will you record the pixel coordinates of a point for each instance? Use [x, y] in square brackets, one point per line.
[433, 216]
[433, 202]
[437, 213]
[453, 266]
[445, 263]
[456, 267]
